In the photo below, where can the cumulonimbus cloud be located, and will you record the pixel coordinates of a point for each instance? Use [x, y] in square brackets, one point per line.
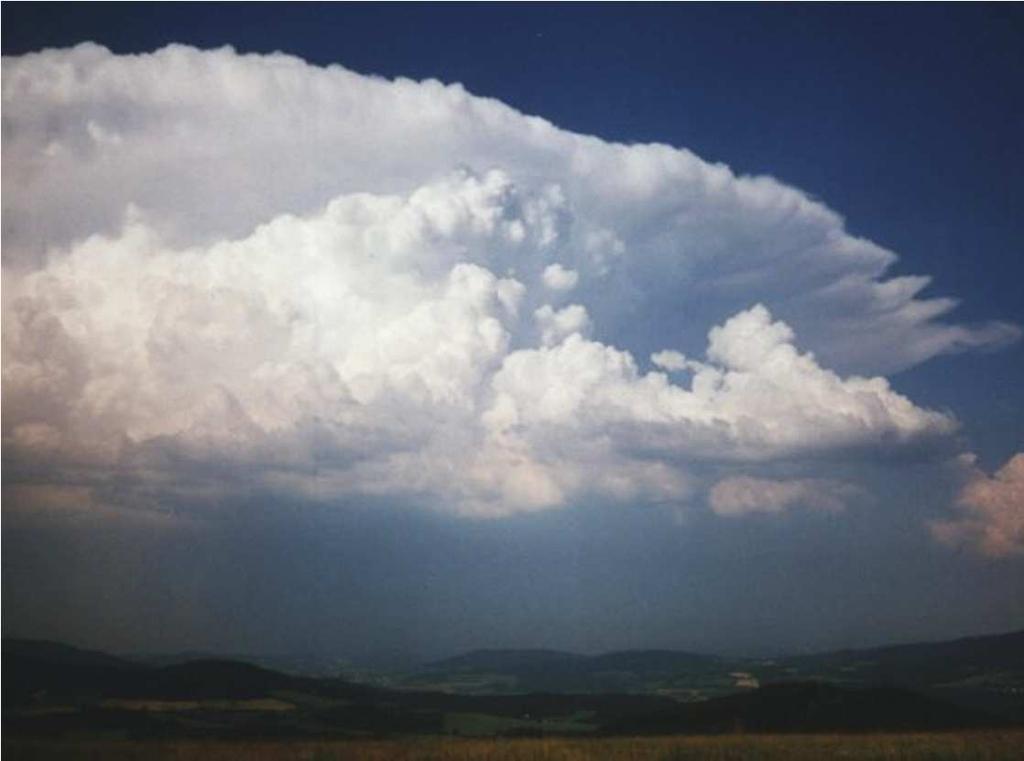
[991, 510]
[221, 267]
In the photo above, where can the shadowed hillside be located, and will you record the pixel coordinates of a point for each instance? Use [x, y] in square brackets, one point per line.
[52, 691]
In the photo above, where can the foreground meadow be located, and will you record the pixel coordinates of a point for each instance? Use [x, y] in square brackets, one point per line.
[972, 746]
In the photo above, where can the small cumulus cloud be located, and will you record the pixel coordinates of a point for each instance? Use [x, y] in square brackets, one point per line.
[991, 510]
[558, 278]
[555, 325]
[742, 495]
[672, 361]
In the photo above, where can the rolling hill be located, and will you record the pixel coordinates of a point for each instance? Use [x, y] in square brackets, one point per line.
[56, 690]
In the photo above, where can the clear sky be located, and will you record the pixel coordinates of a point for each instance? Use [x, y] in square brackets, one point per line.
[345, 350]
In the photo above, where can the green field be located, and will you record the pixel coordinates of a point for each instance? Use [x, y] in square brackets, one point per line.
[971, 746]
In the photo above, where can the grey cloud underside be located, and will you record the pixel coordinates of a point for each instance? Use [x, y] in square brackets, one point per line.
[340, 285]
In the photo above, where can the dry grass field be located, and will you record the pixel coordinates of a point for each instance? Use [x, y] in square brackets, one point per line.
[980, 746]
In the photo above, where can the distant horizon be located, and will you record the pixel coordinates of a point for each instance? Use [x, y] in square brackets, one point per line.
[431, 659]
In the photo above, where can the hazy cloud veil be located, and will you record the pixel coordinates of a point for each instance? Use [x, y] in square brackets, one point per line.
[228, 272]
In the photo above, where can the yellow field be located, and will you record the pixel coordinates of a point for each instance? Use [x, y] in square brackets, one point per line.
[980, 746]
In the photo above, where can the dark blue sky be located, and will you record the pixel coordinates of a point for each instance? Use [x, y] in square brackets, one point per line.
[905, 119]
